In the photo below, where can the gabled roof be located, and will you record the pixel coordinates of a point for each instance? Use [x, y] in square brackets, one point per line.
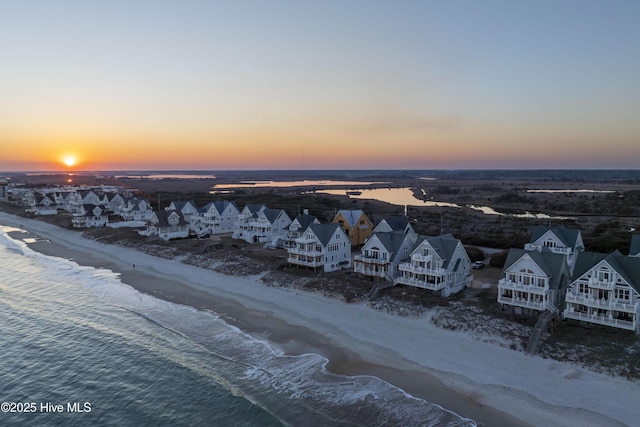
[305, 220]
[634, 249]
[568, 236]
[627, 266]
[549, 262]
[444, 245]
[391, 240]
[351, 216]
[395, 222]
[180, 204]
[324, 232]
[272, 214]
[163, 218]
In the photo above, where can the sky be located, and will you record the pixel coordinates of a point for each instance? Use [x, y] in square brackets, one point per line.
[324, 84]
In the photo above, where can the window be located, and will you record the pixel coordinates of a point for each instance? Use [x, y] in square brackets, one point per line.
[622, 294]
[526, 277]
[604, 274]
[583, 288]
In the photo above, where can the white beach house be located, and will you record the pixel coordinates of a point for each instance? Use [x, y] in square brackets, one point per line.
[534, 281]
[167, 225]
[381, 255]
[561, 240]
[439, 264]
[322, 246]
[268, 226]
[605, 290]
[297, 227]
[90, 215]
[246, 215]
[216, 218]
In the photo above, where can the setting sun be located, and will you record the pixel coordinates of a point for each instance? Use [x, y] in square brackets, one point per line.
[69, 161]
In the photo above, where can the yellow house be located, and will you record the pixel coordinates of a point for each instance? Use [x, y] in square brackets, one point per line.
[355, 224]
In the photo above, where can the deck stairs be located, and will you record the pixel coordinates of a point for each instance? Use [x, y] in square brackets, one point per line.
[538, 329]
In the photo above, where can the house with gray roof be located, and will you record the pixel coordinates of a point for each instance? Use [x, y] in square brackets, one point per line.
[167, 225]
[394, 223]
[187, 208]
[246, 215]
[269, 226]
[43, 204]
[216, 218]
[298, 227]
[322, 246]
[381, 255]
[90, 215]
[534, 281]
[561, 240]
[605, 290]
[439, 264]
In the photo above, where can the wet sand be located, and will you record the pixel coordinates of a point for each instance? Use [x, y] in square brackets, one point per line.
[474, 379]
[293, 339]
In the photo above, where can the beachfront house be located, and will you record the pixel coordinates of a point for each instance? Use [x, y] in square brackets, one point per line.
[355, 224]
[605, 290]
[269, 226]
[298, 227]
[322, 246]
[381, 255]
[187, 208]
[439, 264]
[241, 223]
[634, 248]
[561, 240]
[167, 225]
[115, 202]
[90, 215]
[43, 204]
[136, 209]
[216, 218]
[534, 281]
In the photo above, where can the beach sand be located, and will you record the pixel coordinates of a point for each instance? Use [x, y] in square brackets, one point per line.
[478, 380]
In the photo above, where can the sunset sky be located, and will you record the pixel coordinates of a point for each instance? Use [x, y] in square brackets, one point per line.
[324, 84]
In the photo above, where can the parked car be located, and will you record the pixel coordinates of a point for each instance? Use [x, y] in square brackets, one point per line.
[478, 265]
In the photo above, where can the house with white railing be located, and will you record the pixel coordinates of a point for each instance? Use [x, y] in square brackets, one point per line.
[187, 208]
[269, 226]
[322, 246]
[605, 290]
[246, 215]
[561, 240]
[534, 281]
[297, 228]
[216, 218]
[90, 215]
[381, 255]
[136, 209]
[439, 264]
[43, 204]
[167, 225]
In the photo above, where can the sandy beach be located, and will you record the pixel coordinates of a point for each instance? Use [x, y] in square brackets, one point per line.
[479, 380]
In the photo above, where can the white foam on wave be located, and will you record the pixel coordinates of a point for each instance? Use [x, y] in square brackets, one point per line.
[265, 371]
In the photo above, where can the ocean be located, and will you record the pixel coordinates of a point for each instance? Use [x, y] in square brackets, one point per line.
[79, 347]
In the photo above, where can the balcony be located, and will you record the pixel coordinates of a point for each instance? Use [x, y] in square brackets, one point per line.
[609, 304]
[522, 302]
[363, 269]
[507, 284]
[420, 284]
[557, 250]
[421, 258]
[601, 320]
[601, 284]
[412, 268]
[370, 260]
[313, 263]
[310, 252]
